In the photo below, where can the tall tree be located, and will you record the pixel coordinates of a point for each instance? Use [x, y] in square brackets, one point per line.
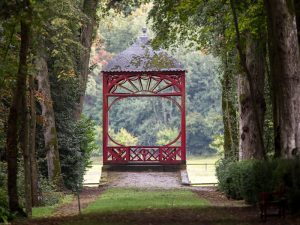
[250, 141]
[32, 140]
[16, 119]
[251, 90]
[230, 120]
[49, 127]
[87, 30]
[285, 63]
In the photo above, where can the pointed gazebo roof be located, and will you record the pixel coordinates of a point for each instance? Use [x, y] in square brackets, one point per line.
[141, 57]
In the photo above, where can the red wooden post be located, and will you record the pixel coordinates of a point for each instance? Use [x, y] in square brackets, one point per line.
[183, 116]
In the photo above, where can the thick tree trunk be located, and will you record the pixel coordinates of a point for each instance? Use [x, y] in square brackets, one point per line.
[90, 9]
[297, 11]
[34, 169]
[12, 153]
[250, 142]
[286, 61]
[273, 87]
[13, 121]
[251, 67]
[49, 128]
[229, 118]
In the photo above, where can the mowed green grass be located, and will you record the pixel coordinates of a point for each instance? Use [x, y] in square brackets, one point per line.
[120, 199]
[47, 211]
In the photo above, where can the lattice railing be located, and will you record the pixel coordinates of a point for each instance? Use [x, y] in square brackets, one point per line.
[143, 154]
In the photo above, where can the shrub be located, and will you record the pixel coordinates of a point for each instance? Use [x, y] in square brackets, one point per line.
[228, 176]
[3, 185]
[50, 196]
[246, 179]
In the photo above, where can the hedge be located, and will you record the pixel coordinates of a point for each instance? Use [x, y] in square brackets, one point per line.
[246, 179]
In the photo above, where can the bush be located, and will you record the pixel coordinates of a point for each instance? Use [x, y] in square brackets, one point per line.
[3, 185]
[50, 196]
[229, 178]
[246, 179]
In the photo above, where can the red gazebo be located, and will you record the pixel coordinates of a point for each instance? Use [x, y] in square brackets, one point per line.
[142, 72]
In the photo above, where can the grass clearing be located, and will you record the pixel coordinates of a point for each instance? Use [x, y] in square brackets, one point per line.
[47, 211]
[119, 199]
[202, 169]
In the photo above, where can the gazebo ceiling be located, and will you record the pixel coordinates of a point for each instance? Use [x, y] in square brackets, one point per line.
[141, 57]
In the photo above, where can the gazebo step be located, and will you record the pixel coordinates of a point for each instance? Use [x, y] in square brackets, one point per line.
[140, 168]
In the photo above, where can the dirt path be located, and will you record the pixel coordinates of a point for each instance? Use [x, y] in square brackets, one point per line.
[87, 196]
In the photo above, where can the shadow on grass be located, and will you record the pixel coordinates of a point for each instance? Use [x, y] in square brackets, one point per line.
[187, 216]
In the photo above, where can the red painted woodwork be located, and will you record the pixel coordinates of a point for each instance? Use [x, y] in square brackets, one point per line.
[164, 84]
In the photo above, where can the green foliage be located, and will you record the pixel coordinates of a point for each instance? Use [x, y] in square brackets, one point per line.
[119, 31]
[124, 137]
[98, 141]
[246, 179]
[76, 147]
[5, 215]
[166, 135]
[218, 144]
[4, 212]
[76, 139]
[49, 193]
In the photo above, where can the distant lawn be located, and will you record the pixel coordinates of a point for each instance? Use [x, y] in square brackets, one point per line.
[195, 159]
[203, 173]
[119, 199]
[47, 211]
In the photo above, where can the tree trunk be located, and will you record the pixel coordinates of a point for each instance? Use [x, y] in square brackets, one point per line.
[90, 9]
[286, 62]
[229, 117]
[252, 68]
[24, 144]
[34, 169]
[14, 120]
[250, 142]
[49, 128]
[297, 11]
[273, 87]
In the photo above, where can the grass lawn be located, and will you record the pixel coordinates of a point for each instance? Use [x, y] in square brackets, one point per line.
[46, 211]
[123, 205]
[203, 173]
[117, 199]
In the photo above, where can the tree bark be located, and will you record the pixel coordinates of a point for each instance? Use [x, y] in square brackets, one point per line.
[285, 46]
[297, 11]
[24, 144]
[252, 89]
[273, 86]
[90, 9]
[229, 116]
[34, 168]
[49, 127]
[250, 142]
[15, 118]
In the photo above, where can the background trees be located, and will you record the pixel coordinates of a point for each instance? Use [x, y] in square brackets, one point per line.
[42, 40]
[236, 34]
[243, 85]
[145, 118]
